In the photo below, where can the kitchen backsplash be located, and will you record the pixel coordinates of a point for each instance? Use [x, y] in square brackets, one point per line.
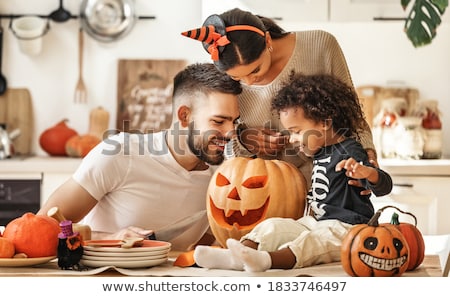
[377, 53]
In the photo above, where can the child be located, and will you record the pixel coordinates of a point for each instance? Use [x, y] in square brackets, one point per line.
[321, 119]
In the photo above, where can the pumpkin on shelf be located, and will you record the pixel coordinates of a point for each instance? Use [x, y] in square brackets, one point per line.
[98, 122]
[53, 140]
[34, 235]
[245, 191]
[7, 249]
[413, 237]
[79, 146]
[375, 249]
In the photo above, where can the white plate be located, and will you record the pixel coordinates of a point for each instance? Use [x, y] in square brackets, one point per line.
[117, 254]
[124, 264]
[23, 262]
[124, 258]
[147, 245]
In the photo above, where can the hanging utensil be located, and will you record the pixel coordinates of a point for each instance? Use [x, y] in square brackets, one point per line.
[3, 84]
[108, 20]
[60, 15]
[80, 89]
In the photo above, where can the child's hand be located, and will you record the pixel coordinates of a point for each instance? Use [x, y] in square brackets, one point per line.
[354, 169]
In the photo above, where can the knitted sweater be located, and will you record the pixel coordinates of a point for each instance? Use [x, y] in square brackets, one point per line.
[316, 52]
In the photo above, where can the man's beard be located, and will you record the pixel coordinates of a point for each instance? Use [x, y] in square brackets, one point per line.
[199, 146]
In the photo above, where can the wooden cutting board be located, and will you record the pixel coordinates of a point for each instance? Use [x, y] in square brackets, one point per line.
[16, 111]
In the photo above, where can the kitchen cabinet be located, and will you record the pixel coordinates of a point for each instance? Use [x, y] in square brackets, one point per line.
[420, 187]
[365, 10]
[368, 10]
[289, 11]
[52, 171]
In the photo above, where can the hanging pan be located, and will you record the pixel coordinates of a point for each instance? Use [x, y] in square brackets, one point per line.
[107, 20]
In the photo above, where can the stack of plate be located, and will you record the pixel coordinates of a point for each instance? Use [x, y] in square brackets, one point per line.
[99, 253]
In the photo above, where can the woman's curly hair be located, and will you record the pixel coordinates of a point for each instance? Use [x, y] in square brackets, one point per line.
[322, 97]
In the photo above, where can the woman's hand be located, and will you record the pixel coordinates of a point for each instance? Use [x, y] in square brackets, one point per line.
[263, 141]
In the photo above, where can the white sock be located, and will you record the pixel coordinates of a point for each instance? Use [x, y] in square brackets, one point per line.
[253, 260]
[218, 258]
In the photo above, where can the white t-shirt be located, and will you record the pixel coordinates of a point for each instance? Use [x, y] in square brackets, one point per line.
[137, 182]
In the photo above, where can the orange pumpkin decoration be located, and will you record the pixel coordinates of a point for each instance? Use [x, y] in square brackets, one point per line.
[53, 140]
[79, 146]
[414, 239]
[245, 191]
[374, 250]
[33, 235]
[7, 249]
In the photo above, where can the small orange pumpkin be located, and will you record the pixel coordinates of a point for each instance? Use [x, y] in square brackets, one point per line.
[7, 249]
[245, 191]
[79, 146]
[33, 235]
[53, 139]
[374, 250]
[413, 237]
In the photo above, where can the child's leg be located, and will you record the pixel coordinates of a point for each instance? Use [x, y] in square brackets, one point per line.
[320, 245]
[218, 258]
[252, 260]
[258, 261]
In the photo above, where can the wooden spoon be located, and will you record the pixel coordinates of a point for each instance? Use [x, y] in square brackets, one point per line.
[124, 243]
[132, 242]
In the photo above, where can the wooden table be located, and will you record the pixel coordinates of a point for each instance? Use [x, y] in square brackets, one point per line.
[429, 268]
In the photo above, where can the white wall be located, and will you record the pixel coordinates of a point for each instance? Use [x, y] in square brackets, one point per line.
[376, 52]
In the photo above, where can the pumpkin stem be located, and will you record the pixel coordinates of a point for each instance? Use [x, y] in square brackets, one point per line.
[405, 212]
[394, 219]
[374, 219]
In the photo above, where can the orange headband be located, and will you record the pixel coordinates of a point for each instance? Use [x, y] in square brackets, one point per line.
[209, 35]
[245, 28]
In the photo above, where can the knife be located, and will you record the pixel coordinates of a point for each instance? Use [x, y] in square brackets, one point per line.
[173, 230]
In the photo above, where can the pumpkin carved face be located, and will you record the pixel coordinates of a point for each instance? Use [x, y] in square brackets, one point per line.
[245, 191]
[379, 250]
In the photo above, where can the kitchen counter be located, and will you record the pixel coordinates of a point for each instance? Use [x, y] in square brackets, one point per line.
[429, 268]
[431, 167]
[65, 164]
[39, 164]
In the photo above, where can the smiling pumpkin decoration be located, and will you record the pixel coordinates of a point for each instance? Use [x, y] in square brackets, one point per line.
[245, 191]
[375, 249]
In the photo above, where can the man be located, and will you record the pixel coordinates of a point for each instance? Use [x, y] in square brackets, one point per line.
[131, 184]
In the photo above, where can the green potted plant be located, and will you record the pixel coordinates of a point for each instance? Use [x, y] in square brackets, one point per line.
[423, 19]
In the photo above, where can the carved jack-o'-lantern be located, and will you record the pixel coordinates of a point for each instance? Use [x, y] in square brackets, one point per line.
[374, 250]
[244, 191]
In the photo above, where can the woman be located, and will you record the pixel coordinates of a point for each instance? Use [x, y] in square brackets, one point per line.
[261, 55]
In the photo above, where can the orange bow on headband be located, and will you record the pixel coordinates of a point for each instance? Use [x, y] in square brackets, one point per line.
[208, 34]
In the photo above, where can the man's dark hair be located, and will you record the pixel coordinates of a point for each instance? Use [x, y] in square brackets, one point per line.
[204, 78]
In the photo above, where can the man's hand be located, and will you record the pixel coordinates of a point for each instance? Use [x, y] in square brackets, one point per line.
[131, 231]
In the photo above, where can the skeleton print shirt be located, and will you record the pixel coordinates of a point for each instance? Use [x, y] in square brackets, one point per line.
[331, 197]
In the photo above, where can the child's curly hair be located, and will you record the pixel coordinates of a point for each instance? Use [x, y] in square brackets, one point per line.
[322, 97]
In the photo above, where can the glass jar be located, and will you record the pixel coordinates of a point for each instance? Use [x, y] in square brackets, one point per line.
[432, 127]
[385, 122]
[410, 138]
